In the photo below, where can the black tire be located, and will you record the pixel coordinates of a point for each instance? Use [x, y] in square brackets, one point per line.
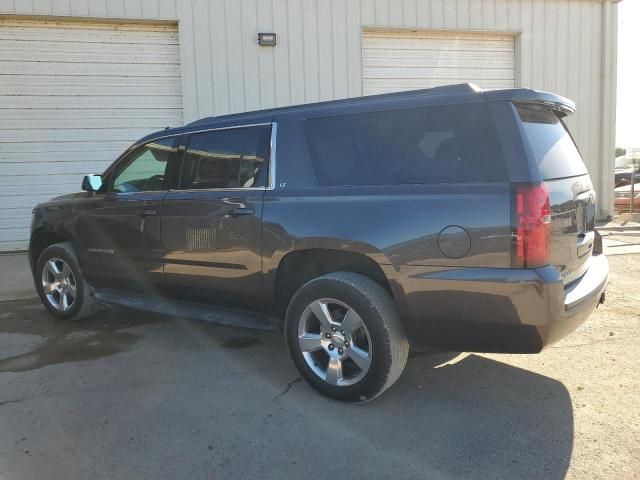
[376, 310]
[84, 303]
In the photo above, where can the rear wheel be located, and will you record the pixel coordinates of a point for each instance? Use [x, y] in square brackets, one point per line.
[344, 336]
[60, 284]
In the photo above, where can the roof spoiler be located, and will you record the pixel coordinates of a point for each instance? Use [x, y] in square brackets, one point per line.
[563, 106]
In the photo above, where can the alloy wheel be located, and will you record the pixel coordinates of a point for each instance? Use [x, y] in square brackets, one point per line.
[335, 342]
[59, 284]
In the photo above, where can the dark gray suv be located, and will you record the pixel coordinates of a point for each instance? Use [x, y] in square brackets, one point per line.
[452, 217]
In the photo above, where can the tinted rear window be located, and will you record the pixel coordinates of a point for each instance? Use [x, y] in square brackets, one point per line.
[444, 144]
[552, 146]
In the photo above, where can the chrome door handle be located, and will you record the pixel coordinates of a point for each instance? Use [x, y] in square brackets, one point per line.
[239, 212]
[146, 212]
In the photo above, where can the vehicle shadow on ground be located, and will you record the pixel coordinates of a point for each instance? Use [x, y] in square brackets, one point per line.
[481, 418]
[452, 415]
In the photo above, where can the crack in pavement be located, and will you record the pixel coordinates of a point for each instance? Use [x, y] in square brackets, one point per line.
[287, 388]
[12, 401]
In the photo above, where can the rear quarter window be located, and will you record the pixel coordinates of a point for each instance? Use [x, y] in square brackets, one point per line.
[441, 144]
[550, 142]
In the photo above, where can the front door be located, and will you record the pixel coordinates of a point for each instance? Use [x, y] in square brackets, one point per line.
[211, 225]
[121, 227]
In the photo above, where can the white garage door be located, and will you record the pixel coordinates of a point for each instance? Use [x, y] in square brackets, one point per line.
[73, 95]
[395, 60]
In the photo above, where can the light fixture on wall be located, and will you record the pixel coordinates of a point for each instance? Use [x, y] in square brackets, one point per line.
[267, 39]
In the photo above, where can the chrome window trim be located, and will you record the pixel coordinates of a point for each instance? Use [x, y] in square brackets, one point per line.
[156, 138]
[234, 189]
[214, 129]
[272, 156]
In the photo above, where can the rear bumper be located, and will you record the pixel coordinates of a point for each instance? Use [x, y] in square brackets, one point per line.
[498, 310]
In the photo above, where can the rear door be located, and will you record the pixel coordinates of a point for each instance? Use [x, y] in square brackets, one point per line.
[571, 194]
[212, 224]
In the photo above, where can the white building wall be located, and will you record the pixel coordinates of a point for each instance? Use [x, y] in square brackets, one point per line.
[564, 46]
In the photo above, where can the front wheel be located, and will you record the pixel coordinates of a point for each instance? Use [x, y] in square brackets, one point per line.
[60, 284]
[345, 337]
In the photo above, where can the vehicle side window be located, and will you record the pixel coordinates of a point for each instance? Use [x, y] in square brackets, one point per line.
[231, 158]
[440, 144]
[145, 169]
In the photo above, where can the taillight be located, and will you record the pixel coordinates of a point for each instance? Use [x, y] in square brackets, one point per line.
[532, 225]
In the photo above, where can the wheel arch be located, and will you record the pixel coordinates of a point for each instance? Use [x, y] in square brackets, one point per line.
[42, 239]
[299, 266]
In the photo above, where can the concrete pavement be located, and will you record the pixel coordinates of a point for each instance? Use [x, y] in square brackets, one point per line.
[128, 395]
[16, 281]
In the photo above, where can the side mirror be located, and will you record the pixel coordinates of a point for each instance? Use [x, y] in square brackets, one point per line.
[92, 183]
